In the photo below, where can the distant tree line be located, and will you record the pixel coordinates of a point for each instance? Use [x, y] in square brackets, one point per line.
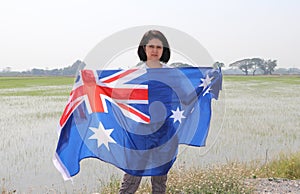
[66, 71]
[254, 64]
[246, 66]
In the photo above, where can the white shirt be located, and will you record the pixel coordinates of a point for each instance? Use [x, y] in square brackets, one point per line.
[145, 66]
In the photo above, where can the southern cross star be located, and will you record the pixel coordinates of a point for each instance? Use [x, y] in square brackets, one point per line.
[177, 115]
[205, 83]
[102, 135]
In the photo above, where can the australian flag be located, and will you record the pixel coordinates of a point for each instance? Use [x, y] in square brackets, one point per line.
[135, 119]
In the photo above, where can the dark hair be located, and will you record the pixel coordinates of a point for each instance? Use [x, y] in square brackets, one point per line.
[149, 36]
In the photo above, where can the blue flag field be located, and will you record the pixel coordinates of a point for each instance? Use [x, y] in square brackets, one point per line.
[135, 119]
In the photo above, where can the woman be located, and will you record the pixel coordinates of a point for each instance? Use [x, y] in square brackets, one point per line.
[154, 51]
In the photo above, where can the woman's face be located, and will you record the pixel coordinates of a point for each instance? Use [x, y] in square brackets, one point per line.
[154, 49]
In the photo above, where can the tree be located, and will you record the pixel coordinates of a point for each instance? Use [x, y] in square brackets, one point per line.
[218, 64]
[268, 66]
[37, 72]
[245, 65]
[256, 63]
[271, 64]
[6, 70]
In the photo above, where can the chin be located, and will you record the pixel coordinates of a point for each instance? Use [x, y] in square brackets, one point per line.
[154, 59]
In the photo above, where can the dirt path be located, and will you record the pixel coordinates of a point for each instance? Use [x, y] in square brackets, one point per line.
[274, 186]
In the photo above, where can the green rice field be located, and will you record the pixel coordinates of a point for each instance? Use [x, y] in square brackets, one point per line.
[255, 119]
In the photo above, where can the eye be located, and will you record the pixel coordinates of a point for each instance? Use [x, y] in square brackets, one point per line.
[153, 46]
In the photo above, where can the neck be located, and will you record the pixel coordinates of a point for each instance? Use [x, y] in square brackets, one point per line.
[154, 64]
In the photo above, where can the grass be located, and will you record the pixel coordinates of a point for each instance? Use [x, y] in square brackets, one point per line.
[3, 188]
[285, 166]
[45, 91]
[262, 113]
[228, 178]
[271, 78]
[24, 82]
[219, 179]
[35, 86]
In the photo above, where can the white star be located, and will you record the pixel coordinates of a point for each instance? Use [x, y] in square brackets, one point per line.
[205, 83]
[102, 135]
[177, 115]
[207, 91]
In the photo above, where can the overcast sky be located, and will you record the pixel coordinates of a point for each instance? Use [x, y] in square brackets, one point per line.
[54, 34]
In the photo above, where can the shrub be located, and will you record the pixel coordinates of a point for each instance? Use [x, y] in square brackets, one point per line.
[286, 166]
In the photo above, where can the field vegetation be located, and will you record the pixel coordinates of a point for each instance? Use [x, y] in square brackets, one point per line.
[229, 178]
[255, 135]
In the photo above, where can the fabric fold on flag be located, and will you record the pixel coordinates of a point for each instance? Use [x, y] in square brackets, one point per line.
[136, 119]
